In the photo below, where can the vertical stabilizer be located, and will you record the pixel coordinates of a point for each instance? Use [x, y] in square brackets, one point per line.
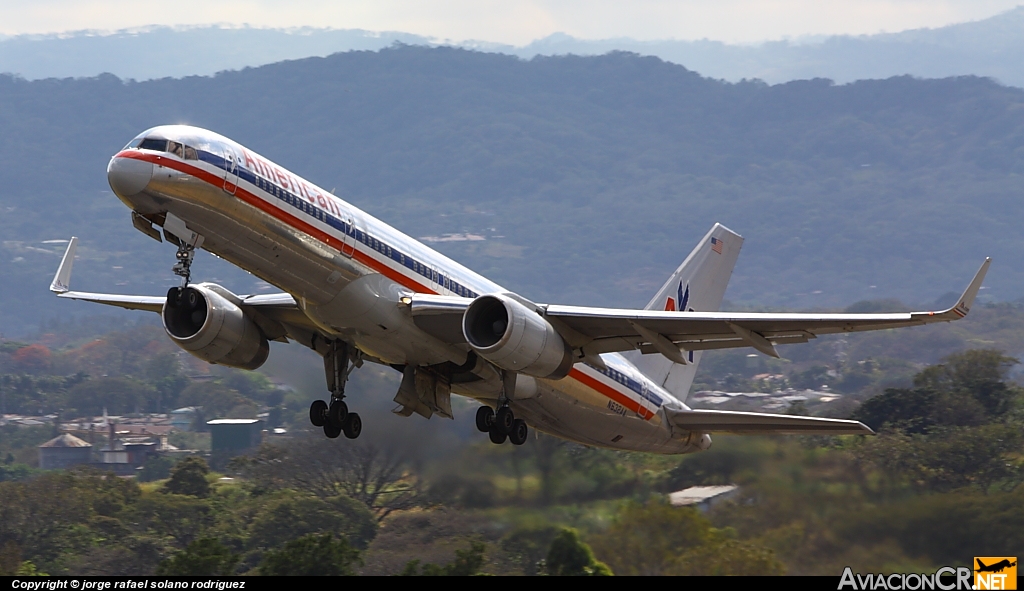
[697, 285]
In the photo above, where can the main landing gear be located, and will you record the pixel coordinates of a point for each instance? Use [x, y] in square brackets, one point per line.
[335, 418]
[503, 424]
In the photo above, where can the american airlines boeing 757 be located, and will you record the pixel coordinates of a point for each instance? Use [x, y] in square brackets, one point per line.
[355, 290]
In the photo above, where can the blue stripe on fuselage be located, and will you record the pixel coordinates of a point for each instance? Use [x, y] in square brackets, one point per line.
[284, 196]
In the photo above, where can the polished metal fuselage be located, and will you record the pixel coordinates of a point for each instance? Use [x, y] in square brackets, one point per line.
[348, 272]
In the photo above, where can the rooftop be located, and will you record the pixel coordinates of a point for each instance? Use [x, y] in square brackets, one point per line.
[66, 440]
[699, 494]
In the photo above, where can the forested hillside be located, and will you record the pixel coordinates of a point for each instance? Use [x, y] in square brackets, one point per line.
[939, 484]
[590, 178]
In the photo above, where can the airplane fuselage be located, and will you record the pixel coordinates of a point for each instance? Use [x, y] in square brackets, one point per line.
[348, 272]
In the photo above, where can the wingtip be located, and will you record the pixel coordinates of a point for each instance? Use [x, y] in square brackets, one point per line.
[62, 279]
[966, 301]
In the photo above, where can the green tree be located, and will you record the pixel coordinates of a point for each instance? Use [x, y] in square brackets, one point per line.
[966, 389]
[50, 517]
[312, 555]
[116, 394]
[189, 478]
[570, 557]
[644, 539]
[467, 563]
[940, 526]
[295, 516]
[163, 371]
[951, 458]
[723, 556]
[179, 517]
[217, 401]
[203, 557]
[530, 545]
[156, 468]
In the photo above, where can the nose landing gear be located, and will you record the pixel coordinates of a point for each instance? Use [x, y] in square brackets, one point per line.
[339, 361]
[183, 268]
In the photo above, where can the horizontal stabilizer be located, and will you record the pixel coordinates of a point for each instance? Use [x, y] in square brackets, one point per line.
[755, 423]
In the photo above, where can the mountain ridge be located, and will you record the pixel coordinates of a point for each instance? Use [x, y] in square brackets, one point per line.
[991, 47]
[590, 178]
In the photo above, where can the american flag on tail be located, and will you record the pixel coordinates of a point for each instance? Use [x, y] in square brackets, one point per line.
[717, 244]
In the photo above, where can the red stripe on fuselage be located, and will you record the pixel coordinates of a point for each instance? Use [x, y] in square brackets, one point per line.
[281, 215]
[610, 392]
[294, 221]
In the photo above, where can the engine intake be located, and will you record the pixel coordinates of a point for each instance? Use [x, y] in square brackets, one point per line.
[515, 338]
[209, 326]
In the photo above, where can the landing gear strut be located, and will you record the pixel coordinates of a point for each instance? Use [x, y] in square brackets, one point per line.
[503, 424]
[339, 361]
[183, 268]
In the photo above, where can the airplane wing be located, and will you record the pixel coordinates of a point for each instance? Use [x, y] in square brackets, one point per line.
[277, 314]
[604, 330]
[755, 423]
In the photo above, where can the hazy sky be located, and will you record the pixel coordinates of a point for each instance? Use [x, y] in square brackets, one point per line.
[513, 21]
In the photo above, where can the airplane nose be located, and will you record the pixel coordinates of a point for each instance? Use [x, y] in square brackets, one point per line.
[128, 176]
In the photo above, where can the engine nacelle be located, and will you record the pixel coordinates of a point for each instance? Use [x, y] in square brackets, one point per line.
[515, 338]
[209, 326]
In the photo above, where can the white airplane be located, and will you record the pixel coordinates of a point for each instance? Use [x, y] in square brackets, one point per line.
[356, 289]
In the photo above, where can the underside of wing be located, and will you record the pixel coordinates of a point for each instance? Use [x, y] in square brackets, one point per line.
[604, 330]
[664, 332]
[278, 315]
[128, 302]
[753, 423]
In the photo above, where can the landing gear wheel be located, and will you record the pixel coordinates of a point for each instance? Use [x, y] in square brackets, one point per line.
[332, 430]
[484, 419]
[318, 413]
[497, 436]
[504, 419]
[338, 412]
[352, 426]
[519, 432]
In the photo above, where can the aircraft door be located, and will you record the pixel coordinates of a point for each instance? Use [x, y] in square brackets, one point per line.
[642, 411]
[230, 173]
[348, 241]
[435, 280]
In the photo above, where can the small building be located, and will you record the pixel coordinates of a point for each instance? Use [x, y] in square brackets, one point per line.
[702, 497]
[182, 418]
[64, 451]
[234, 435]
[124, 454]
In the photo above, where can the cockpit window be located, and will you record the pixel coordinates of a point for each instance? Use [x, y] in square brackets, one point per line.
[178, 149]
[153, 144]
[134, 143]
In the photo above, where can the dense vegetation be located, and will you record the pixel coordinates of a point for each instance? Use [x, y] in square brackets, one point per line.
[591, 178]
[939, 484]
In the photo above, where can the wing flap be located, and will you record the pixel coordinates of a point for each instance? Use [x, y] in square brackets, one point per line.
[439, 316]
[754, 423]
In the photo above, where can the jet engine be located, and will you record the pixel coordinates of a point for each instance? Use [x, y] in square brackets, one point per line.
[515, 338]
[209, 326]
